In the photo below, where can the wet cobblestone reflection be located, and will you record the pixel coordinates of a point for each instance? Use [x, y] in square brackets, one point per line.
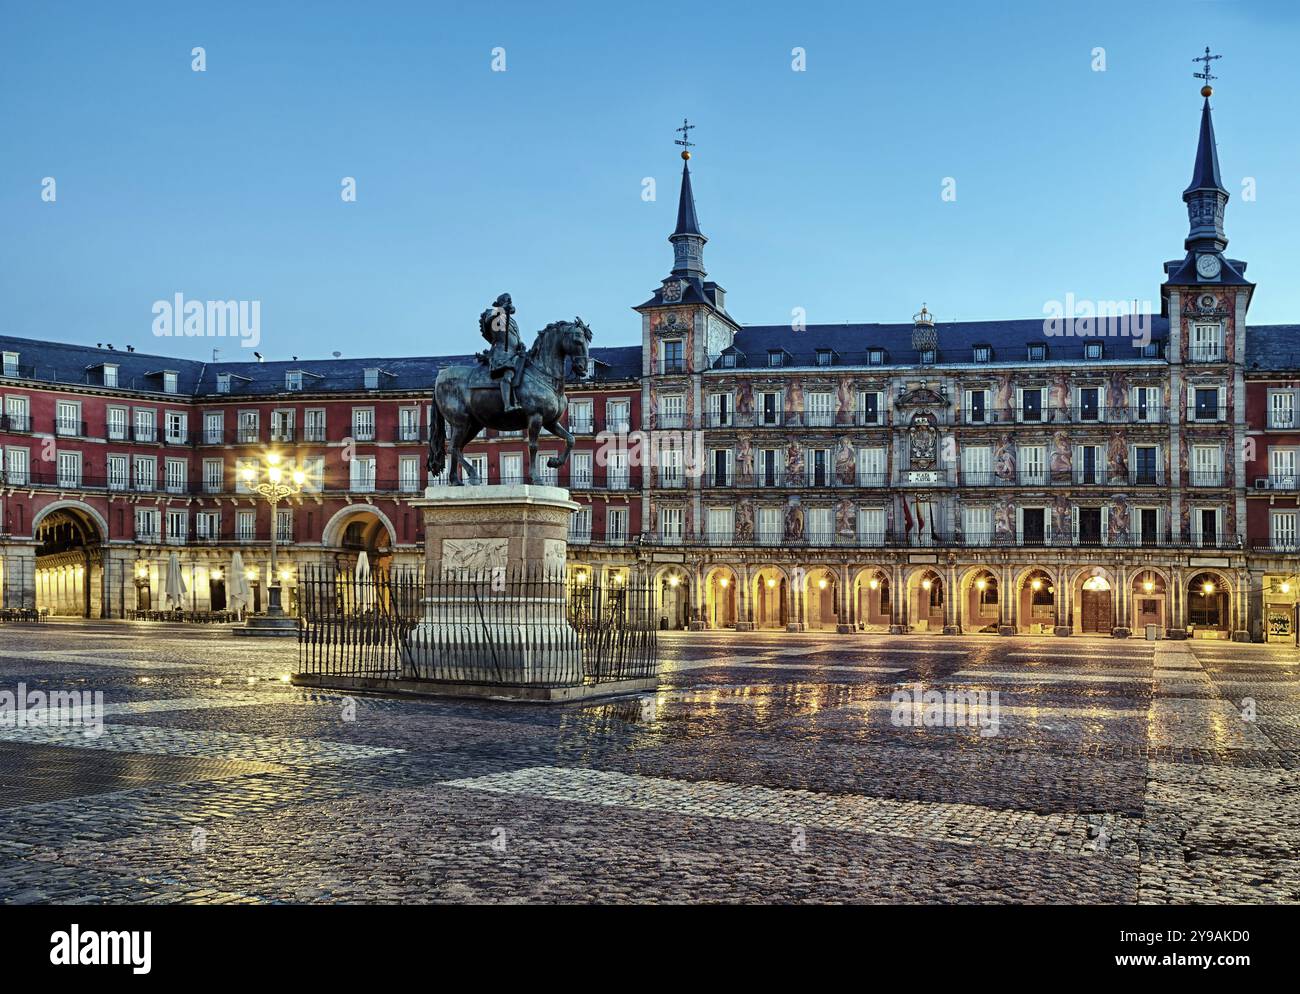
[766, 768]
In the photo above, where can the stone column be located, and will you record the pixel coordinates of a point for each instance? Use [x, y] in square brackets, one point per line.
[951, 602]
[1243, 591]
[845, 624]
[1121, 627]
[1178, 611]
[744, 600]
[795, 594]
[1255, 606]
[699, 601]
[1007, 598]
[897, 601]
[1060, 601]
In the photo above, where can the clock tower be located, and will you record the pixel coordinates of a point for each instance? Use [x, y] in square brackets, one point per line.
[1206, 198]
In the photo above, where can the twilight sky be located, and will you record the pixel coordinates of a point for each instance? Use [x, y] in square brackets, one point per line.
[818, 189]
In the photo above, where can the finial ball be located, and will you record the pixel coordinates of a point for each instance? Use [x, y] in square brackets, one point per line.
[1207, 90]
[685, 154]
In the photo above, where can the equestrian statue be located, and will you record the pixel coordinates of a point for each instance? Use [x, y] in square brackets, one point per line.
[510, 390]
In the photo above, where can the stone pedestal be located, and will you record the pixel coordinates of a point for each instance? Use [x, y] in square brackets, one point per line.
[510, 527]
[1006, 630]
[1121, 632]
[952, 630]
[493, 613]
[744, 626]
[1063, 631]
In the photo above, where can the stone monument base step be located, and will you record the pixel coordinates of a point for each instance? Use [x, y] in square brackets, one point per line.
[260, 626]
[404, 687]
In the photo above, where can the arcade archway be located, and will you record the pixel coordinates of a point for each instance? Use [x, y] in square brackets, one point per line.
[1095, 596]
[1150, 600]
[872, 603]
[925, 601]
[69, 575]
[1208, 606]
[720, 597]
[356, 530]
[822, 600]
[673, 591]
[1036, 603]
[771, 598]
[981, 604]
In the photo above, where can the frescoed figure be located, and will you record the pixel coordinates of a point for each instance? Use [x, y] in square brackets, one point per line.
[1062, 457]
[1004, 460]
[846, 463]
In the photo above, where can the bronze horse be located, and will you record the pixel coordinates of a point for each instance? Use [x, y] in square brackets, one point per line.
[468, 400]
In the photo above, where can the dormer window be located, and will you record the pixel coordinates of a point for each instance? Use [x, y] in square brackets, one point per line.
[293, 379]
[1037, 353]
[372, 378]
[729, 360]
[875, 357]
[825, 357]
[110, 374]
[1092, 350]
[11, 364]
[927, 357]
[1153, 349]
[983, 353]
[223, 383]
[169, 382]
[776, 358]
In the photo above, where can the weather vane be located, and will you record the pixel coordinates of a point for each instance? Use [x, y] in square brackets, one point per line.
[1207, 58]
[686, 128]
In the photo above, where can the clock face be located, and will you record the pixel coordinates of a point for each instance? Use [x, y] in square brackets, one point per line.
[1208, 266]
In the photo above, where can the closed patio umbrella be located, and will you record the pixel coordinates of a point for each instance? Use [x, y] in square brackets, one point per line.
[365, 583]
[174, 588]
[239, 594]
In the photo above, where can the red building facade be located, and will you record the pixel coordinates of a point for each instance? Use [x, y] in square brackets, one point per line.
[113, 461]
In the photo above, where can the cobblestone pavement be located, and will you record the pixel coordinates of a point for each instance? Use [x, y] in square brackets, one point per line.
[768, 767]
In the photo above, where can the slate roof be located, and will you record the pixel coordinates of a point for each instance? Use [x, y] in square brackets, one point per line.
[687, 222]
[1273, 348]
[1205, 173]
[75, 364]
[64, 363]
[1009, 341]
[1182, 272]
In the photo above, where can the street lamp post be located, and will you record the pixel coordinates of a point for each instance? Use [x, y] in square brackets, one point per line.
[275, 487]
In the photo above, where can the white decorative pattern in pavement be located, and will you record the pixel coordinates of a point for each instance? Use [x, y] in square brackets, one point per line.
[205, 743]
[1108, 835]
[1048, 676]
[1192, 723]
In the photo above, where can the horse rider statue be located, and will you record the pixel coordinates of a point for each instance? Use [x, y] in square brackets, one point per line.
[506, 357]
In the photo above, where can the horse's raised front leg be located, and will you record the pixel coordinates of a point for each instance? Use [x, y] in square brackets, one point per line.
[534, 427]
[562, 433]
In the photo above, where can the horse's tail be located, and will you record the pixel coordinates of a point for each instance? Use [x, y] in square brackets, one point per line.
[437, 460]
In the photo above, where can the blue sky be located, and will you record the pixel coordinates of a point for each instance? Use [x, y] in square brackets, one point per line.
[818, 189]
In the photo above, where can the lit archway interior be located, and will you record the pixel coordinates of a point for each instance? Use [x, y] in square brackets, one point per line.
[770, 599]
[1207, 604]
[1036, 609]
[872, 601]
[1150, 600]
[721, 598]
[982, 603]
[822, 599]
[69, 564]
[926, 605]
